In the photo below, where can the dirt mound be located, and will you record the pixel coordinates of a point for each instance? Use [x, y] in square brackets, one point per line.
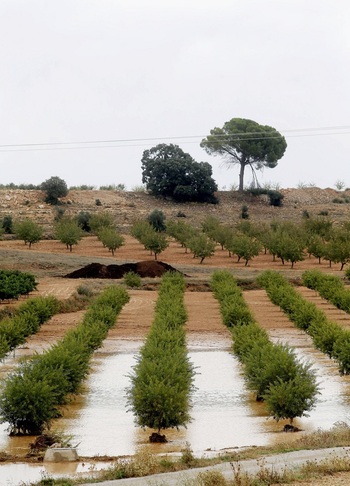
[144, 269]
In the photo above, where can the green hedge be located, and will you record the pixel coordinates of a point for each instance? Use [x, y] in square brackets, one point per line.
[327, 336]
[161, 381]
[14, 283]
[32, 395]
[26, 321]
[329, 287]
[272, 371]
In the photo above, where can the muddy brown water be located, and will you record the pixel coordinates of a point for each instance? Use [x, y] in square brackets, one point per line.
[224, 414]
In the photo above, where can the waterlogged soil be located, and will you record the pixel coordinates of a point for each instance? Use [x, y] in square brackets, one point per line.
[225, 415]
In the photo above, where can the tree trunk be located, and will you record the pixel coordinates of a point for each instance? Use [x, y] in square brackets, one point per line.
[241, 177]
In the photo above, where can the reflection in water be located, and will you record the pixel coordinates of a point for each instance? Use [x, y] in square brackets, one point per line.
[224, 414]
[22, 473]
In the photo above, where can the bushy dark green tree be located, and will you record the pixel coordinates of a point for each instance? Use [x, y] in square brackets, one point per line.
[247, 144]
[168, 171]
[83, 220]
[7, 224]
[157, 220]
[55, 188]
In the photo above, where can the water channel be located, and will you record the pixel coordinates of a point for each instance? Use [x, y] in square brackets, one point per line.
[224, 415]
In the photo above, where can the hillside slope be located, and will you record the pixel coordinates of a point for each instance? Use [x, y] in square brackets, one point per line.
[127, 207]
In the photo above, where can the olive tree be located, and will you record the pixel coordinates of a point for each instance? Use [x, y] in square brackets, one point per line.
[246, 143]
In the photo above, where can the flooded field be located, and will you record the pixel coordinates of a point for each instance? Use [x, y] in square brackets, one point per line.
[224, 414]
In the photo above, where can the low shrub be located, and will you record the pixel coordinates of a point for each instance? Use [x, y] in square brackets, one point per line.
[132, 279]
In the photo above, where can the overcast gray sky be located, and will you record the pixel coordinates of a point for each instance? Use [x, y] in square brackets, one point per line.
[99, 70]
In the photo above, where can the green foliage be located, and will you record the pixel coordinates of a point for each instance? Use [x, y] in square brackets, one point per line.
[321, 226]
[111, 239]
[245, 247]
[315, 246]
[140, 229]
[113, 187]
[155, 242]
[201, 246]
[157, 220]
[181, 231]
[268, 367]
[218, 232]
[99, 221]
[132, 279]
[14, 283]
[244, 212]
[330, 287]
[275, 197]
[337, 250]
[292, 398]
[327, 336]
[27, 404]
[26, 321]
[7, 224]
[170, 172]
[59, 213]
[32, 394]
[28, 231]
[246, 143]
[83, 220]
[82, 187]
[162, 378]
[68, 232]
[55, 188]
[286, 241]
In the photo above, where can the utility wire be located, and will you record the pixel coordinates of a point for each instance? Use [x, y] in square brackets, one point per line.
[134, 142]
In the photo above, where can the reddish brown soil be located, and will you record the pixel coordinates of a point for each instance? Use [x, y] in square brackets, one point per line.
[49, 260]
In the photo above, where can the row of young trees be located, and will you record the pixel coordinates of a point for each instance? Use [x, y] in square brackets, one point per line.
[71, 230]
[328, 337]
[290, 242]
[25, 322]
[33, 394]
[272, 371]
[161, 381]
[330, 287]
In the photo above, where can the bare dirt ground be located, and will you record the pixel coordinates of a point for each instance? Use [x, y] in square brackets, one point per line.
[49, 260]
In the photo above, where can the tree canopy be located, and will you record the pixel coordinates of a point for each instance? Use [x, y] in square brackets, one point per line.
[168, 171]
[55, 187]
[246, 143]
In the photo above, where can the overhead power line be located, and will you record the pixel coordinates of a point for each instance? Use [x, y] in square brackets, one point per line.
[136, 142]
